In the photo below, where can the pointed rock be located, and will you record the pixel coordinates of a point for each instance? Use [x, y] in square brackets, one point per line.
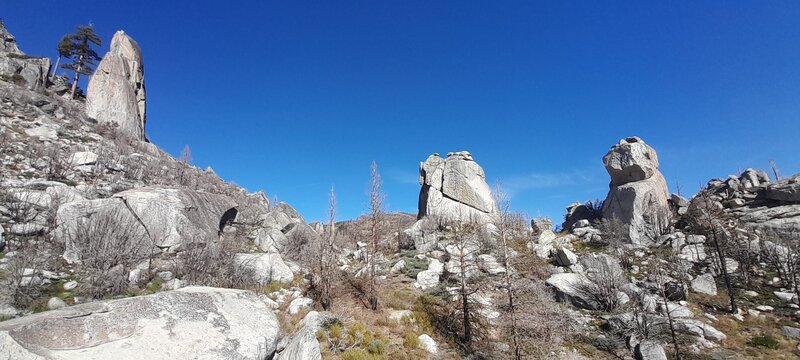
[116, 91]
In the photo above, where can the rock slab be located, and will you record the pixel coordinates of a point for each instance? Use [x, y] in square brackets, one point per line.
[190, 323]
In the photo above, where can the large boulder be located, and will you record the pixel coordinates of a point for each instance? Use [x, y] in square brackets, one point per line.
[163, 218]
[454, 188]
[649, 350]
[638, 195]
[264, 268]
[429, 278]
[190, 323]
[116, 91]
[704, 284]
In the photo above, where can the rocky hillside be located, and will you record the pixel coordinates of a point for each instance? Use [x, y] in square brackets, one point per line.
[112, 248]
[90, 210]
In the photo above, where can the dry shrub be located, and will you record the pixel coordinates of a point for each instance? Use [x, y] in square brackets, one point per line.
[604, 283]
[108, 245]
[211, 263]
[538, 322]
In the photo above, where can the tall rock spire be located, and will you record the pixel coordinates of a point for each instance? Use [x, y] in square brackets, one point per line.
[116, 91]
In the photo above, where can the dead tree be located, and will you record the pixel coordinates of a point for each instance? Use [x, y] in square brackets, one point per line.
[531, 321]
[782, 252]
[328, 257]
[375, 221]
[462, 269]
[503, 234]
[706, 217]
[657, 270]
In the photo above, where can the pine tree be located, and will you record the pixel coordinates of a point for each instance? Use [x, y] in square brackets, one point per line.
[78, 48]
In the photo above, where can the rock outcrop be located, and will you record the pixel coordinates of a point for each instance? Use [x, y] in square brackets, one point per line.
[454, 188]
[190, 323]
[758, 203]
[16, 67]
[638, 195]
[164, 218]
[116, 91]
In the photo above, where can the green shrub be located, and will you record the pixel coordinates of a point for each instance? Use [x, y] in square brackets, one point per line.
[376, 347]
[767, 341]
[153, 286]
[410, 341]
[414, 265]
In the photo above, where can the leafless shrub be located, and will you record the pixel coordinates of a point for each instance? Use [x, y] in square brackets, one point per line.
[302, 242]
[108, 245]
[212, 263]
[24, 278]
[782, 252]
[20, 208]
[5, 141]
[616, 237]
[539, 323]
[656, 222]
[56, 164]
[603, 284]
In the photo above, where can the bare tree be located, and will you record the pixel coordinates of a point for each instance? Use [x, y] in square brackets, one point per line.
[464, 247]
[775, 171]
[503, 225]
[706, 217]
[530, 320]
[327, 256]
[376, 215]
[656, 268]
[186, 155]
[782, 252]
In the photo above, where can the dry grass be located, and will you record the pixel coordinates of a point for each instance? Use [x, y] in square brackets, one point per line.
[396, 293]
[748, 337]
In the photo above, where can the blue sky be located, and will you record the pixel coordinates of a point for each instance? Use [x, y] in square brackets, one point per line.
[296, 96]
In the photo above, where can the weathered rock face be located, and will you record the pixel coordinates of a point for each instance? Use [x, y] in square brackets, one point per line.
[638, 194]
[454, 189]
[116, 91]
[190, 323]
[160, 217]
[19, 68]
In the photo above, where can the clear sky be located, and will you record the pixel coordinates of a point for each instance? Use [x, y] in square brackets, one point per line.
[293, 97]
